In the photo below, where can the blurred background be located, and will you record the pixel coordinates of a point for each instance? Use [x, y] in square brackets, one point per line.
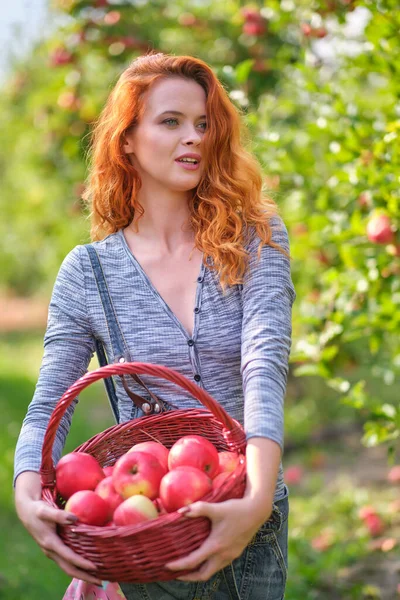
[318, 86]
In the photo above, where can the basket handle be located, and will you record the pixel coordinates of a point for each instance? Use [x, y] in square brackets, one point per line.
[232, 429]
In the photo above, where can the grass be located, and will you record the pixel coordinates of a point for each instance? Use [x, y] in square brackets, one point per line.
[324, 505]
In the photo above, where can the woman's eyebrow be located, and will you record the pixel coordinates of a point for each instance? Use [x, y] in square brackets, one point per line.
[176, 112]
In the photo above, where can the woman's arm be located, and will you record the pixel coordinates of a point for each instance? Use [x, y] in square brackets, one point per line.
[268, 295]
[263, 457]
[68, 348]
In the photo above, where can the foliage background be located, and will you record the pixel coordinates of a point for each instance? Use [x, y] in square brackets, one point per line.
[318, 86]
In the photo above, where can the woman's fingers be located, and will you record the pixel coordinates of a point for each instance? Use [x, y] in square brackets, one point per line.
[54, 546]
[73, 571]
[195, 558]
[50, 542]
[54, 515]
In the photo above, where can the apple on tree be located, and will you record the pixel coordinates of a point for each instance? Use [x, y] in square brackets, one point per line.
[379, 229]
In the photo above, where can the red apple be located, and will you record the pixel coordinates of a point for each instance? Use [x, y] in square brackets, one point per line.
[77, 471]
[106, 490]
[394, 474]
[194, 451]
[187, 20]
[374, 525]
[379, 229]
[156, 449]
[137, 473]
[254, 28]
[182, 486]
[135, 510]
[60, 56]
[323, 541]
[112, 17]
[365, 199]
[320, 32]
[293, 474]
[228, 461]
[306, 29]
[68, 100]
[108, 471]
[366, 511]
[89, 508]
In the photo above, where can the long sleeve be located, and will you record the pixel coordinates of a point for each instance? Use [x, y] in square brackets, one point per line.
[68, 348]
[268, 296]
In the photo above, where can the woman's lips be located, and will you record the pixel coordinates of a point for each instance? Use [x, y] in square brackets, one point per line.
[188, 165]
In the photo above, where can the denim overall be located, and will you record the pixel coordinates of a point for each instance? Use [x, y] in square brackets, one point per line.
[261, 570]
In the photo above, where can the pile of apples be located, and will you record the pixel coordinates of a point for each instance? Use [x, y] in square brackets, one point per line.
[147, 481]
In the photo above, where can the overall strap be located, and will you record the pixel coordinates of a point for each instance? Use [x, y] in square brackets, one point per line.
[119, 345]
[117, 340]
[108, 381]
[108, 311]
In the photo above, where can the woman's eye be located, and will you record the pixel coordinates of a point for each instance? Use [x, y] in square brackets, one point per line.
[175, 122]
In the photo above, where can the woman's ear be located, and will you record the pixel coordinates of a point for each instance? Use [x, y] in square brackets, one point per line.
[127, 143]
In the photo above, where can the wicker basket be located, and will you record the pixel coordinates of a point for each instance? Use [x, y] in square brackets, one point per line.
[138, 553]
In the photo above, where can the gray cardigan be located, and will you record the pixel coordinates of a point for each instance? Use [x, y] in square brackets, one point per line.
[238, 352]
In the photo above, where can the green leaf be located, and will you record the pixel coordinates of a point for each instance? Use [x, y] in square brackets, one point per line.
[312, 369]
[243, 70]
[329, 353]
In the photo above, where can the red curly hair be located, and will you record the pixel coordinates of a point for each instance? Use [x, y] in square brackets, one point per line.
[228, 200]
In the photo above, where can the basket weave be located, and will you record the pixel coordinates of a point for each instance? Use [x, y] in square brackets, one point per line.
[138, 553]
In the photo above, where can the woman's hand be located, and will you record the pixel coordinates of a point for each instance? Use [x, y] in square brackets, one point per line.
[41, 521]
[233, 525]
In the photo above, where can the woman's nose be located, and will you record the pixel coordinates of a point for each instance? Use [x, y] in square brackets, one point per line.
[192, 137]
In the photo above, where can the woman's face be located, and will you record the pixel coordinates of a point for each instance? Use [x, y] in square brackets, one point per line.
[173, 124]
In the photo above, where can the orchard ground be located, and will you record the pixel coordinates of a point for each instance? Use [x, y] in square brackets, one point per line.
[332, 553]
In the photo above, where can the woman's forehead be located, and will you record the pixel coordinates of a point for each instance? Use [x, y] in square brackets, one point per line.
[176, 94]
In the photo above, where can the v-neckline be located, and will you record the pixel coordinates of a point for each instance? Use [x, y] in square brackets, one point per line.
[156, 293]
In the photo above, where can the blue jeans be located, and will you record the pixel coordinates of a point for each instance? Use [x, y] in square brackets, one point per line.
[258, 574]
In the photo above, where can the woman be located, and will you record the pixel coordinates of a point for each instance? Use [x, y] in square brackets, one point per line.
[197, 265]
